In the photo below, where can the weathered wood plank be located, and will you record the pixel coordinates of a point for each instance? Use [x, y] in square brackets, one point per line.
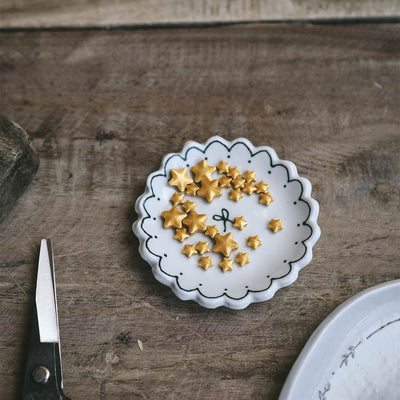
[18, 164]
[104, 107]
[50, 13]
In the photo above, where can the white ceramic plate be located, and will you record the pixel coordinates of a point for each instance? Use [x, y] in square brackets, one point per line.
[274, 264]
[354, 354]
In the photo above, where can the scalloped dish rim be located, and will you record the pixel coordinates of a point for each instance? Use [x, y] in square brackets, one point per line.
[251, 296]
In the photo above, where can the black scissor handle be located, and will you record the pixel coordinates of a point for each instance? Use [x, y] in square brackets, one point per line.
[43, 369]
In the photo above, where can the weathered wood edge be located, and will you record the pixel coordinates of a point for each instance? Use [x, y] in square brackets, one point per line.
[84, 13]
[18, 164]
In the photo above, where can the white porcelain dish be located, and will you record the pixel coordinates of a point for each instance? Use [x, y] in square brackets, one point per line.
[354, 354]
[273, 265]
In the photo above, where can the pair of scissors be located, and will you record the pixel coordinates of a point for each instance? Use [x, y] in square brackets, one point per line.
[43, 374]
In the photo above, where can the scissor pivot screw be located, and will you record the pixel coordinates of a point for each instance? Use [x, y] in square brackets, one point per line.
[40, 374]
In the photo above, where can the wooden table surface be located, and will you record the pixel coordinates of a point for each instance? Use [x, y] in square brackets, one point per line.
[103, 108]
[83, 13]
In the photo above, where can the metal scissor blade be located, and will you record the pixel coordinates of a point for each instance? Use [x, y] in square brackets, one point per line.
[46, 302]
[43, 373]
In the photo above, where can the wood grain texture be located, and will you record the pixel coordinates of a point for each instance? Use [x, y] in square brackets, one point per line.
[103, 108]
[50, 13]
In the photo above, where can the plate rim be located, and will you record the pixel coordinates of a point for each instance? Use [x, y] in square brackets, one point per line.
[291, 383]
[223, 299]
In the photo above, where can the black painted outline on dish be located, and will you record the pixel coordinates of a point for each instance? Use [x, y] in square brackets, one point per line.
[228, 149]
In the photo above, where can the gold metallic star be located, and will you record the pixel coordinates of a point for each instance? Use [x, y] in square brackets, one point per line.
[240, 223]
[235, 194]
[209, 189]
[242, 258]
[275, 225]
[250, 176]
[177, 198]
[211, 231]
[173, 218]
[238, 182]
[195, 222]
[225, 244]
[189, 250]
[205, 262]
[233, 172]
[262, 187]
[254, 242]
[249, 188]
[223, 167]
[188, 205]
[225, 181]
[180, 178]
[192, 189]
[202, 170]
[181, 234]
[226, 265]
[202, 247]
[266, 198]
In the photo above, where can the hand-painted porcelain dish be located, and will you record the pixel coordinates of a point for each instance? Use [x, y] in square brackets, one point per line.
[355, 353]
[273, 265]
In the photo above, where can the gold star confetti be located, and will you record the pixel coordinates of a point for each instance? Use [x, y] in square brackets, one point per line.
[254, 242]
[262, 187]
[225, 244]
[235, 194]
[275, 225]
[233, 172]
[202, 170]
[180, 178]
[211, 231]
[189, 250]
[250, 176]
[173, 218]
[209, 189]
[242, 258]
[192, 189]
[181, 235]
[249, 188]
[240, 223]
[225, 181]
[238, 182]
[205, 262]
[266, 198]
[195, 222]
[188, 205]
[202, 247]
[226, 265]
[223, 167]
[177, 198]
